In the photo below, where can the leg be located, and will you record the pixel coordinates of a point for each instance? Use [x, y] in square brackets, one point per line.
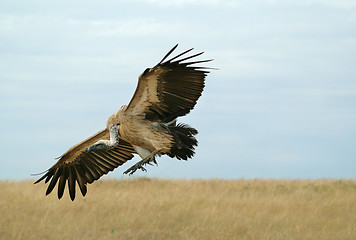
[147, 160]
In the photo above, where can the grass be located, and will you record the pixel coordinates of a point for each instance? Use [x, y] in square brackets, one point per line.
[179, 209]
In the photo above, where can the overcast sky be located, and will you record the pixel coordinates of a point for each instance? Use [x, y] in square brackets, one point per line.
[281, 105]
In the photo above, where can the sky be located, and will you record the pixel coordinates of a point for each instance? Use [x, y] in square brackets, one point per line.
[281, 105]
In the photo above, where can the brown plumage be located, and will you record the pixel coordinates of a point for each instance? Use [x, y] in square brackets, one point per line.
[146, 126]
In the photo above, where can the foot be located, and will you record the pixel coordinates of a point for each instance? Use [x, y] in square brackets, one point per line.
[148, 160]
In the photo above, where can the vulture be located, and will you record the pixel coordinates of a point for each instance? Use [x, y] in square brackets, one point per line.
[147, 126]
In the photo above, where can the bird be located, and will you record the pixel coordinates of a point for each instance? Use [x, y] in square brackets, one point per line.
[147, 126]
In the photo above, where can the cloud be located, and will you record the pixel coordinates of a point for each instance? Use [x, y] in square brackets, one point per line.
[118, 27]
[255, 3]
[284, 91]
[183, 2]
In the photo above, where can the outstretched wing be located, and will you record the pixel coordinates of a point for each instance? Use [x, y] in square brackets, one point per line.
[170, 89]
[79, 165]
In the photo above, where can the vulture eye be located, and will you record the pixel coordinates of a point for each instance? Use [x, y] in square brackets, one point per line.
[146, 71]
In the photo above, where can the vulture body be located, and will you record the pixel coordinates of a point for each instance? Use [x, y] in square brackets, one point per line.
[147, 126]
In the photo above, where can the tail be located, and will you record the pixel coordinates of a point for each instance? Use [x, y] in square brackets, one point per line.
[184, 141]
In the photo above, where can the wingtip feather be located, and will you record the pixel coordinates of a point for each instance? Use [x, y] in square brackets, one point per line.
[169, 53]
[71, 183]
[54, 180]
[43, 177]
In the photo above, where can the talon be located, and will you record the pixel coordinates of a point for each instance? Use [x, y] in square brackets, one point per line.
[140, 164]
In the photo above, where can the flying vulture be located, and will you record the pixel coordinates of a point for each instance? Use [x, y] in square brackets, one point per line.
[147, 126]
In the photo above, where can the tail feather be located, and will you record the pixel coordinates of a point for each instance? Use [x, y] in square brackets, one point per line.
[184, 141]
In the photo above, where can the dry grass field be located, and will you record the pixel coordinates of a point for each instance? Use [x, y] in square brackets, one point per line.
[179, 209]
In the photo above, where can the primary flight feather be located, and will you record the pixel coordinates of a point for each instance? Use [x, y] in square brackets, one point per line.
[146, 126]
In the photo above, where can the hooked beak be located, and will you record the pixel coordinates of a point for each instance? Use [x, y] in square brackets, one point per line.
[90, 148]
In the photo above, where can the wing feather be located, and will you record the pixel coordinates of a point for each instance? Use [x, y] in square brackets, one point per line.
[71, 183]
[81, 181]
[61, 186]
[170, 89]
[53, 181]
[78, 165]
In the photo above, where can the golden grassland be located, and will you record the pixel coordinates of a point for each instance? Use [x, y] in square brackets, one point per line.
[182, 209]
